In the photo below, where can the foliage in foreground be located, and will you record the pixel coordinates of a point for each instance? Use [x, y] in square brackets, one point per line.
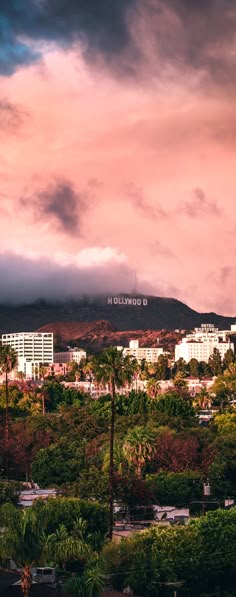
[202, 554]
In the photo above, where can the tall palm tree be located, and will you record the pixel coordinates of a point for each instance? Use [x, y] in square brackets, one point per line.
[8, 361]
[113, 368]
[139, 447]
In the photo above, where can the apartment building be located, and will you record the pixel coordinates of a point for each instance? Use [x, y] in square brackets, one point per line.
[200, 344]
[149, 354]
[73, 354]
[33, 349]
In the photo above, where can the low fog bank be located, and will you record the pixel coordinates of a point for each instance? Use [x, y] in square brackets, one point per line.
[24, 281]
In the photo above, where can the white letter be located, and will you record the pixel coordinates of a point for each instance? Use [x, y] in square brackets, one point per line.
[109, 300]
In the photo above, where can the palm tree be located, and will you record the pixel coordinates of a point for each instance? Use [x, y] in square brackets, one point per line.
[8, 360]
[22, 540]
[139, 447]
[119, 459]
[63, 546]
[113, 368]
[153, 387]
[90, 584]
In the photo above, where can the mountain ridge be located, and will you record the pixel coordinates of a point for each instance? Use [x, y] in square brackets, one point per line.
[158, 313]
[95, 336]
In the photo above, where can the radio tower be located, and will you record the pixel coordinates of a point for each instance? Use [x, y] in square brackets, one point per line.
[135, 283]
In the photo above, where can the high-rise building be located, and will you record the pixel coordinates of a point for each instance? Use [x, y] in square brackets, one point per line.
[33, 349]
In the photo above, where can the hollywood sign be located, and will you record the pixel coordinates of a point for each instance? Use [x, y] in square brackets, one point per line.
[134, 302]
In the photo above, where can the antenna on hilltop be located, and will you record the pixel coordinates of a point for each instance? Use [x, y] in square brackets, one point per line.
[135, 283]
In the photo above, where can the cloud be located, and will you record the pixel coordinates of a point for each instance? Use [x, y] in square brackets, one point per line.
[199, 205]
[60, 204]
[161, 250]
[11, 116]
[127, 34]
[136, 196]
[99, 26]
[25, 279]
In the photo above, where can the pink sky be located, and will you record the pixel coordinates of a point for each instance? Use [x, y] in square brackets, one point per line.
[149, 164]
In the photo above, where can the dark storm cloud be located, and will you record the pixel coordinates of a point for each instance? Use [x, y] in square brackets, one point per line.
[24, 280]
[199, 205]
[59, 204]
[209, 33]
[99, 24]
[201, 33]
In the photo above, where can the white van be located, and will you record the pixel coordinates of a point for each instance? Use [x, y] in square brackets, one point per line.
[44, 575]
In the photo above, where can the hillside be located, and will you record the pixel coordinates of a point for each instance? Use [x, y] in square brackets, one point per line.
[98, 335]
[123, 312]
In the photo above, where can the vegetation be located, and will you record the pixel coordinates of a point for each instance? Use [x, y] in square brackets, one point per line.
[200, 556]
[139, 448]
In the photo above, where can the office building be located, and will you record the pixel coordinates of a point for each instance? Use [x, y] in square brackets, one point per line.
[33, 350]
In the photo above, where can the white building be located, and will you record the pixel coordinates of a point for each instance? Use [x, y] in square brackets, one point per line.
[73, 354]
[149, 354]
[201, 343]
[33, 349]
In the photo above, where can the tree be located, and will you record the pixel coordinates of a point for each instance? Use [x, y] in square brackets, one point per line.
[153, 387]
[203, 554]
[22, 540]
[175, 489]
[181, 452]
[181, 367]
[27, 437]
[54, 512]
[59, 463]
[139, 447]
[194, 368]
[224, 387]
[63, 546]
[113, 368]
[90, 584]
[204, 370]
[229, 358]
[8, 360]
[174, 405]
[9, 492]
[163, 370]
[202, 399]
[215, 362]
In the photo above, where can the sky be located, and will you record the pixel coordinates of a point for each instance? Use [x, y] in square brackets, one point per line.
[118, 149]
